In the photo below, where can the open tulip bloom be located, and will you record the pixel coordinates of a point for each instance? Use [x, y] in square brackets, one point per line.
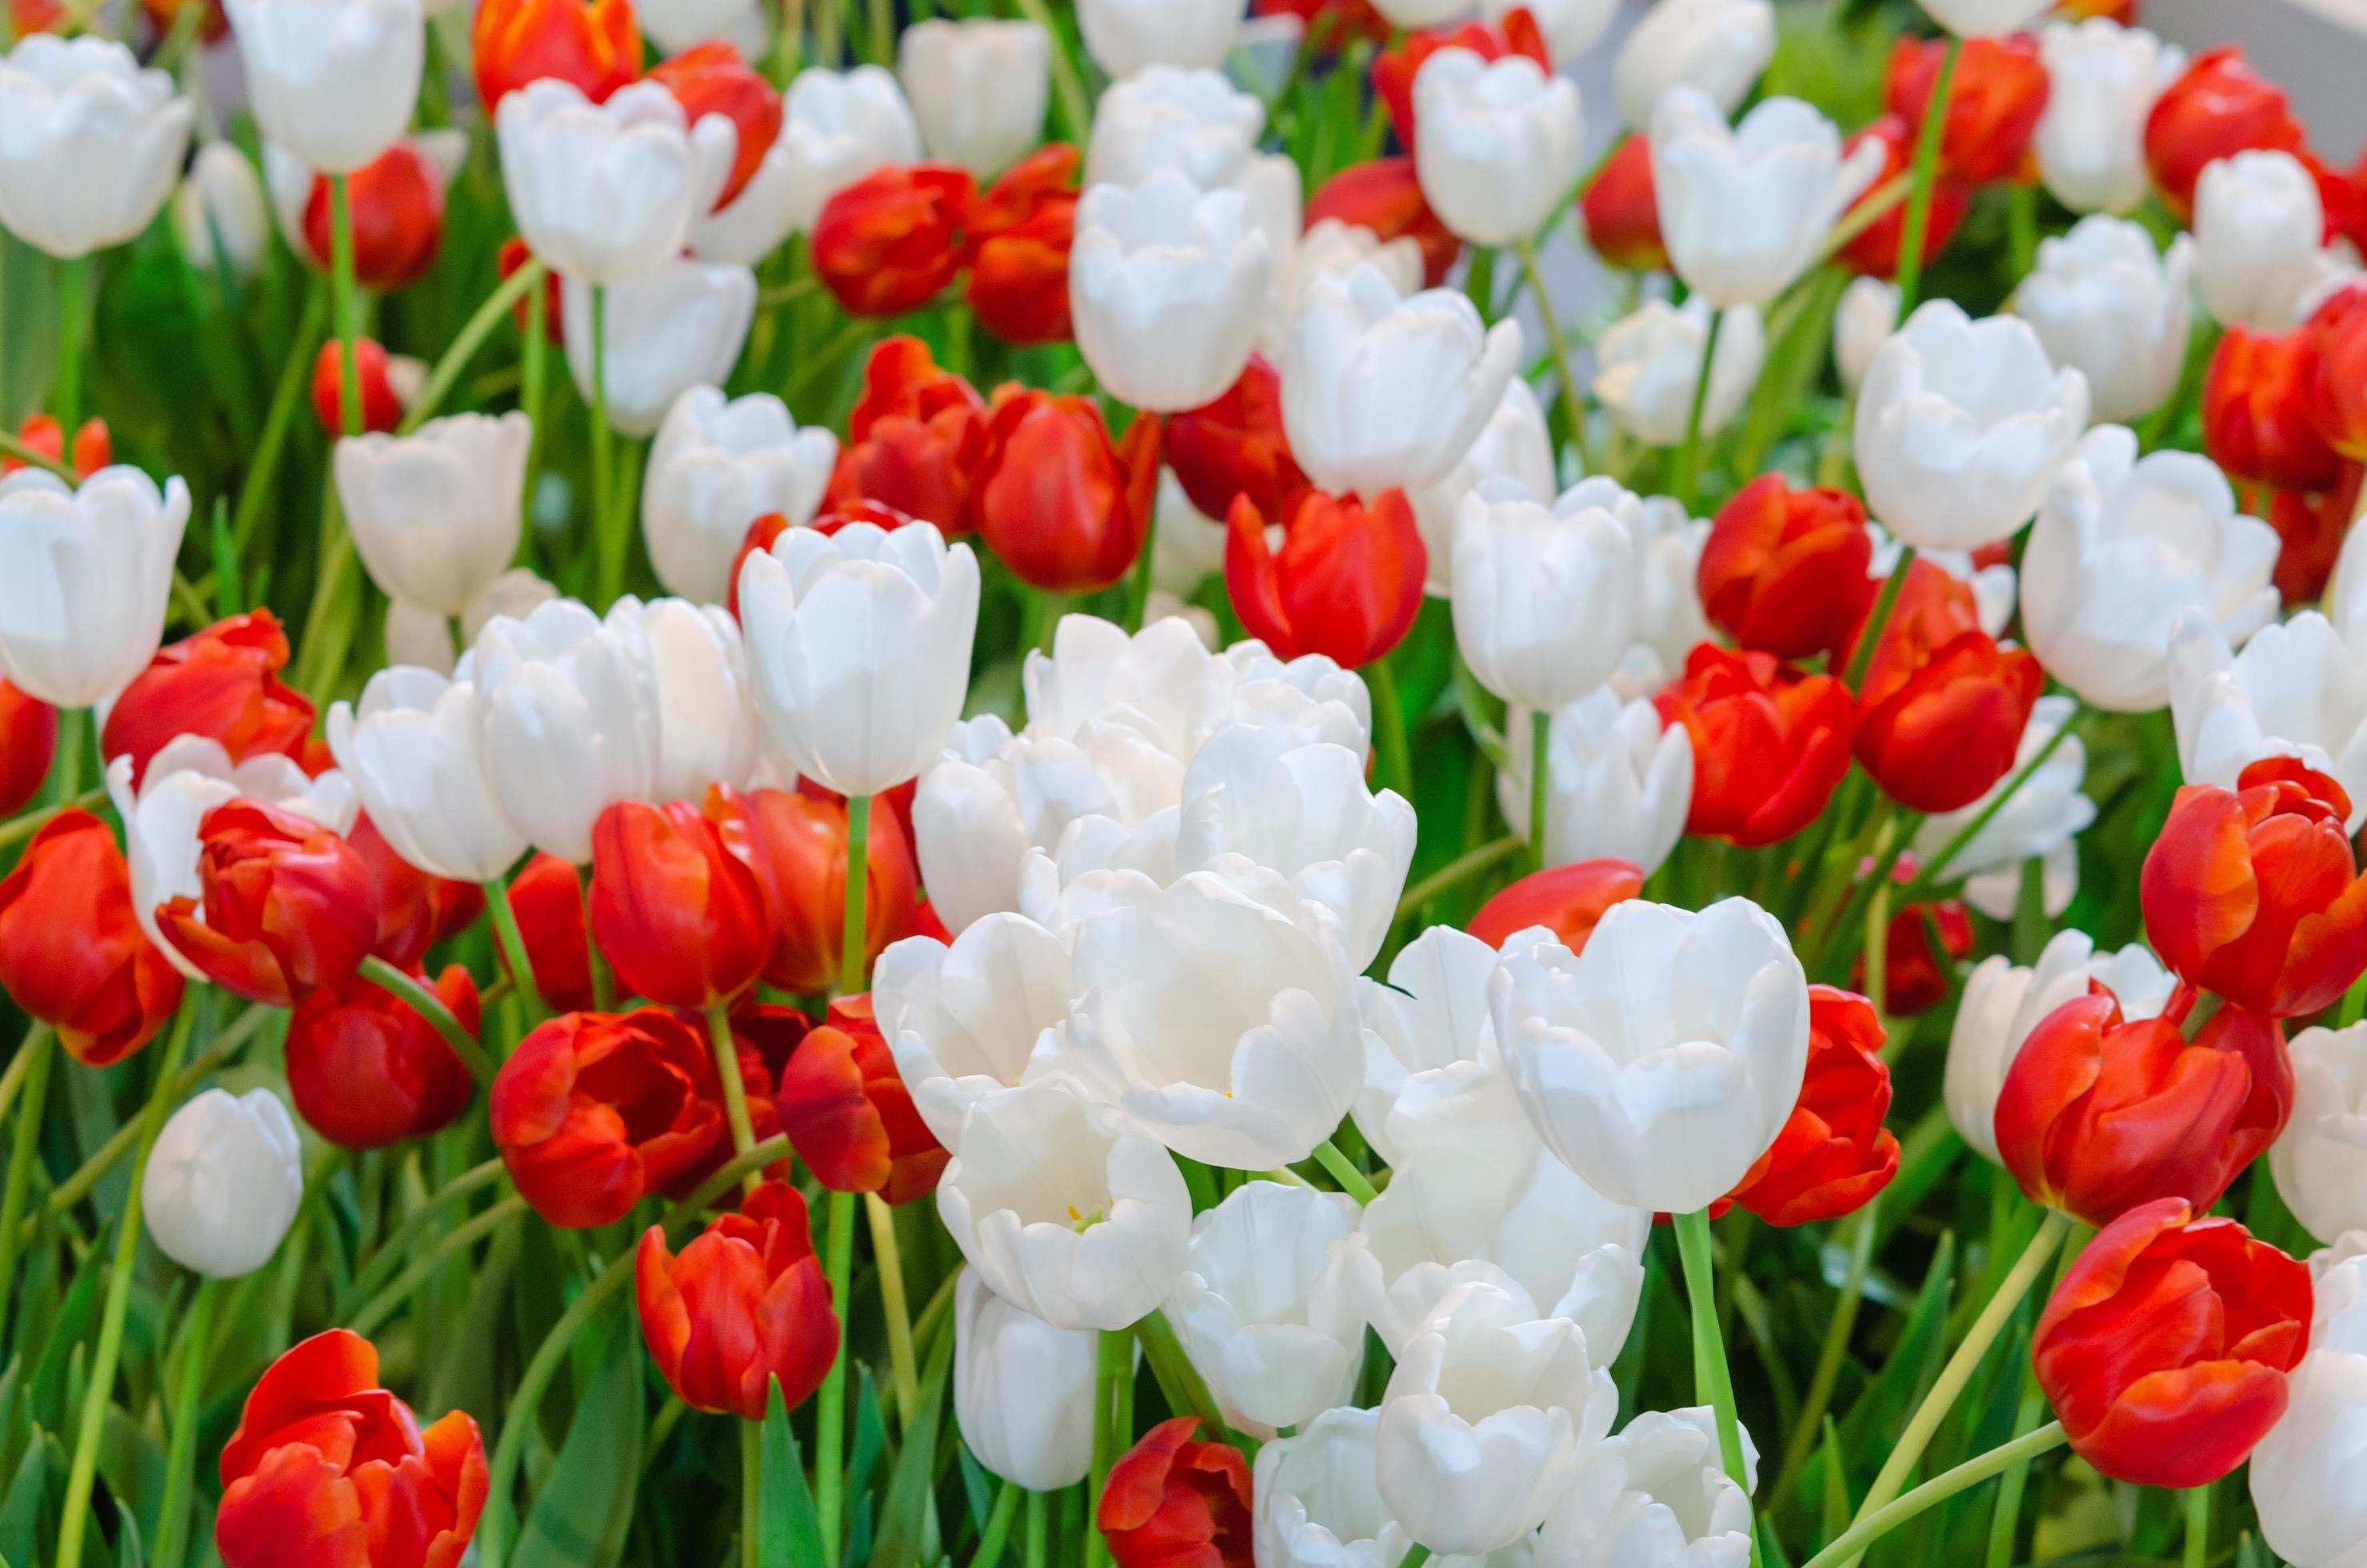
[1159, 784]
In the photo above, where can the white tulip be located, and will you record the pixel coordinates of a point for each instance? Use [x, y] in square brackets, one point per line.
[2320, 1159]
[1262, 1306]
[1649, 365]
[85, 574]
[1063, 1212]
[89, 143]
[1868, 314]
[1412, 14]
[606, 192]
[1716, 47]
[1167, 288]
[2106, 303]
[1744, 209]
[2040, 820]
[1317, 1504]
[1655, 1496]
[2259, 231]
[988, 798]
[436, 514]
[1662, 1061]
[2123, 548]
[677, 25]
[967, 1019]
[679, 328]
[415, 756]
[1983, 18]
[978, 86]
[1127, 35]
[706, 717]
[1669, 619]
[1332, 249]
[834, 129]
[1618, 782]
[860, 644]
[1545, 598]
[223, 1182]
[719, 464]
[1961, 426]
[2102, 79]
[1380, 392]
[422, 637]
[1497, 144]
[2002, 1003]
[2305, 1472]
[220, 214]
[1023, 1389]
[1512, 457]
[1187, 546]
[1196, 123]
[1570, 27]
[333, 81]
[1427, 1036]
[2299, 688]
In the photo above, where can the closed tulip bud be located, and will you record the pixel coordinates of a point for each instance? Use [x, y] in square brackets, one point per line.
[1023, 1390]
[978, 87]
[1874, 252]
[1716, 47]
[2259, 231]
[366, 1071]
[887, 244]
[414, 753]
[2320, 1161]
[678, 912]
[1153, 342]
[1570, 900]
[1769, 747]
[1544, 598]
[28, 744]
[1497, 145]
[319, 1442]
[2256, 420]
[595, 46]
[1942, 706]
[2106, 303]
[1346, 581]
[839, 1098]
[2253, 892]
[1170, 1498]
[914, 437]
[396, 202]
[740, 1308]
[1621, 212]
[219, 213]
[1236, 444]
[95, 144]
[223, 1182]
[1020, 229]
[1384, 196]
[71, 951]
[2091, 142]
[710, 79]
[94, 447]
[1833, 1153]
[1277, 1346]
[436, 514]
[2165, 1348]
[673, 329]
[1513, 456]
[374, 375]
[1961, 426]
[606, 192]
[1062, 1210]
[546, 900]
[2335, 395]
[569, 719]
[594, 1111]
[1867, 316]
[84, 577]
[1394, 68]
[333, 83]
[1127, 35]
[1994, 103]
[1783, 165]
[797, 845]
[1061, 506]
[717, 465]
[1655, 1496]
[1785, 571]
[284, 906]
[1648, 364]
[2219, 107]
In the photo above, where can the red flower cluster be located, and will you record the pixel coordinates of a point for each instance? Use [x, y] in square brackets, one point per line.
[224, 683]
[1769, 744]
[1833, 1153]
[894, 239]
[914, 438]
[72, 952]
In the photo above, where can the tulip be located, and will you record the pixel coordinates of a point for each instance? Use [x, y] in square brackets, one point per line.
[1346, 582]
[2232, 710]
[2321, 1157]
[223, 1182]
[890, 241]
[2166, 1347]
[1867, 315]
[72, 953]
[595, 47]
[2256, 420]
[1023, 1390]
[395, 202]
[606, 192]
[978, 87]
[1768, 747]
[2259, 228]
[798, 848]
[224, 683]
[2332, 398]
[836, 129]
[674, 25]
[2219, 107]
[1544, 598]
[1169, 1499]
[413, 752]
[28, 743]
[546, 898]
[1019, 233]
[1876, 249]
[1061, 1210]
[1497, 145]
[94, 448]
[1960, 427]
[2106, 303]
[717, 465]
[1191, 123]
[366, 1071]
[1618, 782]
[1055, 501]
[2252, 892]
[2038, 821]
[710, 79]
[1316, 1503]
[219, 213]
[1716, 48]
[593, 1111]
[382, 399]
[864, 703]
[1166, 287]
[1785, 571]
[914, 437]
[1262, 1306]
[93, 144]
[1570, 900]
[1994, 103]
[1743, 209]
[1395, 69]
[1384, 196]
[2091, 142]
[962, 1019]
[1942, 708]
[1381, 392]
[1127, 35]
[1484, 1417]
[284, 906]
[838, 1098]
[679, 913]
[1833, 1154]
[1655, 1496]
[2310, 1515]
[1236, 444]
[333, 84]
[1513, 458]
[742, 1308]
[85, 577]
[436, 514]
[327, 1464]
[1649, 365]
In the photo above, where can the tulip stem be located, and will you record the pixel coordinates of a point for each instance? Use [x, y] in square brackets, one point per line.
[1861, 658]
[1810, 1423]
[1573, 408]
[1931, 875]
[735, 1089]
[1416, 1555]
[2005, 1515]
[1540, 783]
[430, 1007]
[997, 1534]
[596, 963]
[534, 359]
[1112, 1358]
[295, 373]
[32, 1070]
[1871, 209]
[854, 935]
[448, 1246]
[1031, 1540]
[1165, 1353]
[1343, 1170]
[829, 1408]
[903, 1368]
[2354, 1004]
[513, 954]
[1927, 169]
[1870, 1528]
[1067, 85]
[74, 327]
[611, 550]
[100, 1391]
[1389, 727]
[397, 1243]
[1685, 470]
[181, 1455]
[471, 338]
[1693, 1251]
[17, 446]
[2196, 1549]
[346, 310]
[1925, 1423]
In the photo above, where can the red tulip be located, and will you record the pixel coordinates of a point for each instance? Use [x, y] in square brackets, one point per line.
[1875, 251]
[1385, 196]
[2220, 107]
[28, 745]
[1769, 744]
[676, 907]
[1994, 104]
[914, 439]
[1942, 706]
[888, 243]
[2311, 527]
[593, 1111]
[2166, 1347]
[94, 448]
[1571, 899]
[2256, 411]
[1173, 1503]
[1784, 571]
[2334, 393]
[1915, 978]
[1329, 24]
[2099, 1116]
[1621, 210]
[72, 952]
[285, 905]
[1020, 231]
[365, 1070]
[1833, 1153]
[744, 1306]
[1346, 582]
[1236, 446]
[330, 1471]
[224, 683]
[1394, 71]
[1055, 500]
[415, 910]
[161, 13]
[2253, 894]
[397, 204]
[513, 255]
[798, 848]
[382, 409]
[839, 1098]
[547, 901]
[710, 78]
[595, 46]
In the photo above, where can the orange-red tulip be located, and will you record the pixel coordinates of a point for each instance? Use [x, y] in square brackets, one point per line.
[2256, 411]
[1394, 71]
[1621, 210]
[710, 78]
[839, 1098]
[2334, 395]
[1236, 446]
[1020, 231]
[1834, 1154]
[1875, 251]
[1172, 1501]
[284, 906]
[547, 901]
[94, 448]
[1994, 104]
[595, 46]
[914, 439]
[28, 745]
[1769, 744]
[1942, 706]
[1784, 571]
[365, 1070]
[382, 409]
[1571, 899]
[1385, 196]
[72, 953]
[1346, 582]
[1056, 500]
[593, 1111]
[222, 682]
[676, 907]
[2311, 527]
[798, 848]
[2220, 107]
[744, 1306]
[888, 243]
[397, 204]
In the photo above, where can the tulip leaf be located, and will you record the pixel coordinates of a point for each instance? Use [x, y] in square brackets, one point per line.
[1837, 1505]
[24, 1512]
[787, 1535]
[584, 1507]
[912, 1484]
[1913, 1361]
[64, 1334]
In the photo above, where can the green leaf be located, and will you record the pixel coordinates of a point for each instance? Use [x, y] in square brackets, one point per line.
[49, 1385]
[912, 1486]
[25, 1526]
[132, 1464]
[1837, 1505]
[978, 1492]
[1912, 1364]
[787, 1535]
[583, 1509]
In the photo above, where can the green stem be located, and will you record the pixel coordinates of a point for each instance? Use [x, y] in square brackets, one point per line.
[397, 1242]
[1031, 1549]
[533, 376]
[2005, 1517]
[853, 933]
[1926, 172]
[33, 456]
[1573, 404]
[181, 1457]
[452, 1244]
[735, 1089]
[1457, 871]
[903, 1366]
[430, 1007]
[1390, 728]
[604, 979]
[295, 374]
[1112, 1359]
[1068, 86]
[38, 1052]
[471, 338]
[1165, 1352]
[1867, 640]
[347, 296]
[997, 1534]
[17, 830]
[1416, 1555]
[1931, 875]
[611, 548]
[1870, 1528]
[1343, 1170]
[73, 327]
[1540, 784]
[512, 942]
[100, 1391]
[1687, 467]
[2354, 1007]
[1827, 1376]
[829, 1407]
[2196, 1549]
[1709, 1347]
[1871, 209]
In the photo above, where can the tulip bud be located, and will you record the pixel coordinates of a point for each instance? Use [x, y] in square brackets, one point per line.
[1649, 365]
[1994, 103]
[224, 683]
[2103, 79]
[1395, 69]
[595, 46]
[913, 439]
[95, 144]
[678, 911]
[1498, 143]
[1875, 252]
[2255, 412]
[1127, 35]
[436, 514]
[2219, 107]
[1168, 1488]
[1055, 500]
[1943, 706]
[1236, 446]
[1833, 1154]
[220, 214]
[978, 87]
[72, 951]
[373, 373]
[718, 465]
[606, 192]
[1263, 1307]
[1656, 1496]
[2166, 1347]
[1714, 47]
[94, 447]
[744, 1306]
[1384, 196]
[1727, 238]
[366, 1071]
[223, 1182]
[1570, 900]
[1346, 582]
[667, 331]
[1768, 747]
[1512, 459]
[2106, 303]
[887, 244]
[1152, 342]
[1784, 569]
[1621, 212]
[1618, 781]
[2335, 395]
[839, 1098]
[285, 905]
[28, 744]
[335, 94]
[1019, 233]
[85, 574]
[1544, 598]
[1023, 1390]
[2260, 229]
[396, 202]
[709, 79]
[546, 900]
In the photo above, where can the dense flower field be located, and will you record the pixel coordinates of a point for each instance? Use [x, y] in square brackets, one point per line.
[1000, 783]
